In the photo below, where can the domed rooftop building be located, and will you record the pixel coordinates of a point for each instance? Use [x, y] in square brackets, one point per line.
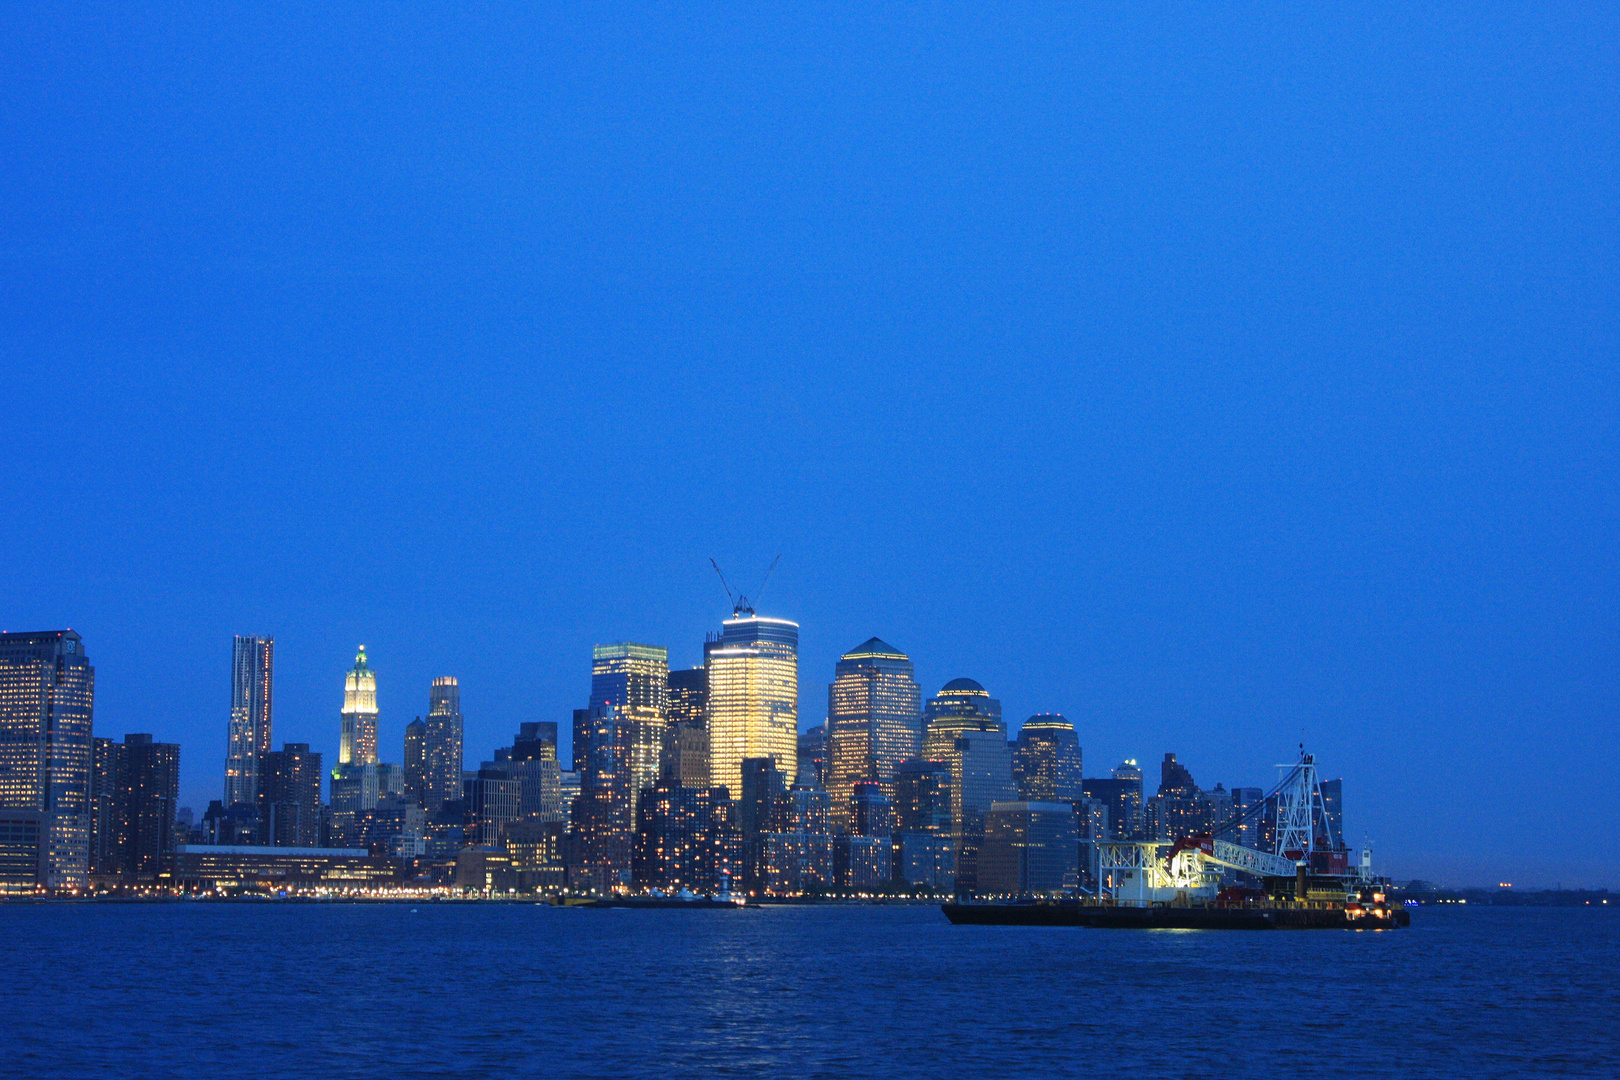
[961, 705]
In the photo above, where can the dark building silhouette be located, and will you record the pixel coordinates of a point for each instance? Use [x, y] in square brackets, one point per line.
[492, 799]
[1121, 794]
[1029, 848]
[109, 810]
[1330, 819]
[1179, 809]
[762, 782]
[153, 794]
[922, 796]
[685, 758]
[415, 762]
[604, 744]
[870, 812]
[290, 797]
[812, 757]
[442, 751]
[531, 760]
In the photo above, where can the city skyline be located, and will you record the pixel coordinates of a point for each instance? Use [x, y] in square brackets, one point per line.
[1208, 395]
[445, 689]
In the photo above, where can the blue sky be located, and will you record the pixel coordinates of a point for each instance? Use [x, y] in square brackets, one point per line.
[1217, 378]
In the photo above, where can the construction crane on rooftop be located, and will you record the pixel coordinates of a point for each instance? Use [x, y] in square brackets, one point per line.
[739, 603]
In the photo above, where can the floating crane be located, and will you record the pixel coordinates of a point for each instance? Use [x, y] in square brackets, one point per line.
[1191, 868]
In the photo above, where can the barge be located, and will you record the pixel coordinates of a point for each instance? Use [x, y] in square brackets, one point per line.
[1366, 910]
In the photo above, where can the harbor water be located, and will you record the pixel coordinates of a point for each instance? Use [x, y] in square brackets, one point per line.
[211, 990]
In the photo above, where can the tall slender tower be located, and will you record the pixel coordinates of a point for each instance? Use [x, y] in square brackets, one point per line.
[441, 744]
[359, 742]
[47, 695]
[874, 721]
[252, 665]
[753, 696]
[634, 679]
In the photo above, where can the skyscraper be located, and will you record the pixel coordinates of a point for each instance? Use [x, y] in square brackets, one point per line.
[252, 668]
[152, 795]
[966, 732]
[753, 696]
[1122, 795]
[531, 760]
[358, 745]
[603, 745]
[415, 764]
[1030, 847]
[290, 796]
[874, 721]
[813, 757]
[47, 696]
[109, 812]
[962, 705]
[688, 699]
[441, 744]
[1329, 818]
[634, 679]
[1046, 764]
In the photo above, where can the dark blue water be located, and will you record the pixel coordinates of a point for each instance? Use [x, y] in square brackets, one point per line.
[228, 990]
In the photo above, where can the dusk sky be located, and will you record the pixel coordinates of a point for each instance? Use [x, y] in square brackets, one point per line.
[1219, 377]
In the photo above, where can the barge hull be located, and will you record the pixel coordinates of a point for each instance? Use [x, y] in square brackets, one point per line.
[1165, 918]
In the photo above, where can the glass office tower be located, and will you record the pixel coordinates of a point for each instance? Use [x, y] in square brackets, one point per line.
[442, 753]
[1046, 762]
[47, 694]
[874, 721]
[248, 738]
[966, 732]
[753, 696]
[634, 679]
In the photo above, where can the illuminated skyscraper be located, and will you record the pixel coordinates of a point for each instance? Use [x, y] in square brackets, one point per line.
[1046, 763]
[753, 696]
[874, 721]
[634, 679]
[358, 745]
[47, 695]
[442, 753]
[966, 732]
[252, 667]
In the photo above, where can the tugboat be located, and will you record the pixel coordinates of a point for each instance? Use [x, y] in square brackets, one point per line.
[1306, 884]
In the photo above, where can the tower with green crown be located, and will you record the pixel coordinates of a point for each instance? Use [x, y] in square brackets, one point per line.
[359, 742]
